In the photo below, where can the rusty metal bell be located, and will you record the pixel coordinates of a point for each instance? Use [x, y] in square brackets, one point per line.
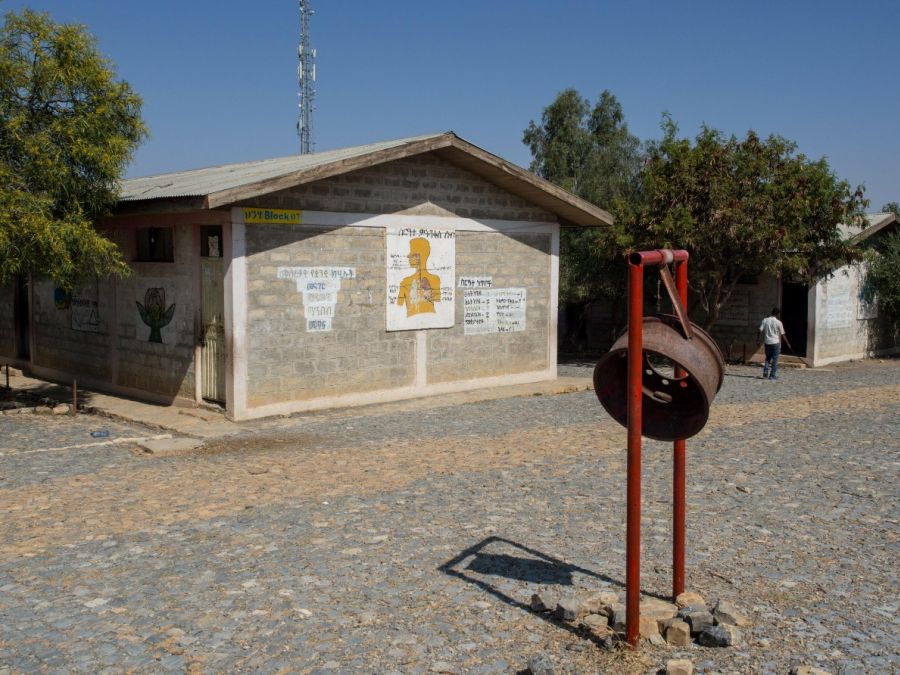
[673, 408]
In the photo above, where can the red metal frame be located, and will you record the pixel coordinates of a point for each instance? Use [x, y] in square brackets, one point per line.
[636, 263]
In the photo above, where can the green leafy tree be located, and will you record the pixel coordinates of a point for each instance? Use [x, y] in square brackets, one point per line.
[588, 150]
[883, 280]
[891, 207]
[742, 207]
[67, 130]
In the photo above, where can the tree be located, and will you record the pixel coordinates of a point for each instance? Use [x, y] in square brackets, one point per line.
[883, 279]
[744, 207]
[891, 207]
[590, 152]
[67, 130]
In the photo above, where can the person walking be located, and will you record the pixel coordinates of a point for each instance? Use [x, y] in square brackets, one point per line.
[771, 331]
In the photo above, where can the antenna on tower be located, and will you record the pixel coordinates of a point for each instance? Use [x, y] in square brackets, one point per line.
[306, 76]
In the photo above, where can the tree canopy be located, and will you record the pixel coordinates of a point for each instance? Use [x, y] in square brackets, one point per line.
[744, 207]
[882, 284]
[67, 130]
[741, 206]
[588, 150]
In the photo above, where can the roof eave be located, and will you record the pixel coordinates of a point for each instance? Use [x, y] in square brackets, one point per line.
[571, 210]
[303, 176]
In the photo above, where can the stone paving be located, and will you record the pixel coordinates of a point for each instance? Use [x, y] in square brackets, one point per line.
[412, 540]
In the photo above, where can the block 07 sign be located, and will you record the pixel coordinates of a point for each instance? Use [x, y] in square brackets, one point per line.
[494, 310]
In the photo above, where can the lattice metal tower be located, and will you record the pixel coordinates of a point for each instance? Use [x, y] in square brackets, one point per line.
[306, 76]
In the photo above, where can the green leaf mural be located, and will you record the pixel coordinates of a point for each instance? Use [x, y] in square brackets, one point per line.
[153, 312]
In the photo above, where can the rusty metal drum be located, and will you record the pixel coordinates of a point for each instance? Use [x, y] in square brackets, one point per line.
[681, 377]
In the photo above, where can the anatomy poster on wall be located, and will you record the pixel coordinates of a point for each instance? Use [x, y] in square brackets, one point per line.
[421, 271]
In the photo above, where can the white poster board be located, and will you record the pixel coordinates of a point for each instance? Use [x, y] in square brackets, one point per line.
[421, 271]
[319, 287]
[494, 310]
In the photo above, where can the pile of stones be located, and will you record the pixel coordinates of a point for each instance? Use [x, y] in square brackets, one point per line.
[26, 403]
[689, 619]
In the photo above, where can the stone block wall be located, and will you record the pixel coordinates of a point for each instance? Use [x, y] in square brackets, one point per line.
[739, 319]
[61, 346]
[287, 363]
[842, 329]
[421, 185]
[514, 260]
[167, 367]
[117, 349]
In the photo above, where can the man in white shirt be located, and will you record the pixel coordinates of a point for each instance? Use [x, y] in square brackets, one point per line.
[771, 330]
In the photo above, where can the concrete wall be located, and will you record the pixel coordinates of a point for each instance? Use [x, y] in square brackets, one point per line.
[422, 185]
[115, 352]
[845, 328]
[59, 346]
[514, 260]
[280, 367]
[287, 363]
[358, 360]
[166, 368]
[738, 325]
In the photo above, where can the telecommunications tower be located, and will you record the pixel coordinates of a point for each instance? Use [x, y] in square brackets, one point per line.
[306, 76]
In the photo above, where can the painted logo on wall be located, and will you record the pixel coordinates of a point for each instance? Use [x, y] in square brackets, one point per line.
[153, 312]
[61, 298]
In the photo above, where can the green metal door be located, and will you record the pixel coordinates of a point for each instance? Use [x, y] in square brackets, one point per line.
[212, 312]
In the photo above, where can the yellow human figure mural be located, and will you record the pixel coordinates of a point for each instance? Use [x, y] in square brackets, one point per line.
[421, 289]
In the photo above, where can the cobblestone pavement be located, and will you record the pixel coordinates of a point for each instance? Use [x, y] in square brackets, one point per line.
[412, 541]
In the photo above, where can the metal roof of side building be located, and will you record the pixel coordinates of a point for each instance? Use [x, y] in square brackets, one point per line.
[875, 222]
[222, 185]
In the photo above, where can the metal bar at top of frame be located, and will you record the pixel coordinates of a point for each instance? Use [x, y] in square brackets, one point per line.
[659, 256]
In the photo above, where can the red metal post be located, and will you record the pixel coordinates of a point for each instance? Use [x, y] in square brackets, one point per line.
[679, 507]
[635, 391]
[636, 262]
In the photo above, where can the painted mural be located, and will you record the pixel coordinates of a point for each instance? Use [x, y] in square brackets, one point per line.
[154, 313]
[421, 270]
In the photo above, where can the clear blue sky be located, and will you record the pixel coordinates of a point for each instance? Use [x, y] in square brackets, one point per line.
[219, 78]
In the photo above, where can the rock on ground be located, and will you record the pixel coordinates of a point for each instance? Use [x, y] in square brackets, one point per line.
[541, 664]
[677, 633]
[722, 635]
[679, 667]
[726, 612]
[689, 598]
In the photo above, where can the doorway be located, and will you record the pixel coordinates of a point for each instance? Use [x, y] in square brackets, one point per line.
[794, 306]
[22, 318]
[212, 314]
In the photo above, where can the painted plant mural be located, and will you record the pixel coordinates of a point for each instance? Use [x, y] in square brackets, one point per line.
[154, 313]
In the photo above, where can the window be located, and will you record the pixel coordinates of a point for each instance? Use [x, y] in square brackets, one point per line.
[211, 241]
[154, 244]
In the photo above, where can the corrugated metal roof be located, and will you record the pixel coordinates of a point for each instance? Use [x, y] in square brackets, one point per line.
[201, 182]
[874, 222]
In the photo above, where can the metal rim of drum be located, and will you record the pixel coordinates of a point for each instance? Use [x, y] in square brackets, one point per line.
[672, 408]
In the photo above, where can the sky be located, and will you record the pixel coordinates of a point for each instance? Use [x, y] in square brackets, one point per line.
[219, 79]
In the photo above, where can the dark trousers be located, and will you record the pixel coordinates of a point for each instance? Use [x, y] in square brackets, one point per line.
[770, 367]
